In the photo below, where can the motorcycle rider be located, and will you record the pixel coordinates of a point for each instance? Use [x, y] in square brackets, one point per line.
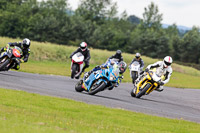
[162, 68]
[122, 68]
[138, 59]
[118, 55]
[86, 53]
[24, 45]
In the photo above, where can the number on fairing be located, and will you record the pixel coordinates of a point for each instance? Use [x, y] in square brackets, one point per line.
[97, 75]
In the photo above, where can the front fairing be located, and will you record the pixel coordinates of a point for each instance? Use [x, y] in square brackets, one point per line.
[106, 75]
[88, 81]
[8, 53]
[135, 66]
[3, 54]
[78, 58]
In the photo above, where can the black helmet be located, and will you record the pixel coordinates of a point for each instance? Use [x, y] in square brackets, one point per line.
[122, 67]
[118, 52]
[26, 43]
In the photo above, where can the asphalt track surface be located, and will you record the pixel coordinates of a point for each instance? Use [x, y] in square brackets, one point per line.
[172, 102]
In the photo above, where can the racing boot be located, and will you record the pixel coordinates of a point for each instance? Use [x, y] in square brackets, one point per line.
[159, 88]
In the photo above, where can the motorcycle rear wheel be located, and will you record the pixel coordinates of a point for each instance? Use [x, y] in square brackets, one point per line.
[94, 89]
[142, 92]
[134, 76]
[132, 93]
[78, 86]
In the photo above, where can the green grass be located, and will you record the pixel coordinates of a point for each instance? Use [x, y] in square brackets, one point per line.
[47, 58]
[32, 113]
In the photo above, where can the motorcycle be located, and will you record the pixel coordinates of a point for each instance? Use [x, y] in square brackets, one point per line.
[148, 82]
[105, 78]
[9, 58]
[134, 70]
[111, 61]
[77, 65]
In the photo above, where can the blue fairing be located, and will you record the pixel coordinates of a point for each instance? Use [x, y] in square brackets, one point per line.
[109, 75]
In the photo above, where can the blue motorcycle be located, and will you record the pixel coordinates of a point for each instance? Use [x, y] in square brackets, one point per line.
[99, 80]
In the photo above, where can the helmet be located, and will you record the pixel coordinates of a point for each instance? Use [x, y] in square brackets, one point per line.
[26, 43]
[167, 61]
[122, 67]
[137, 55]
[118, 52]
[83, 46]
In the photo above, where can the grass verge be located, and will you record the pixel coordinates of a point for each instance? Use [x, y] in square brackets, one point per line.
[26, 112]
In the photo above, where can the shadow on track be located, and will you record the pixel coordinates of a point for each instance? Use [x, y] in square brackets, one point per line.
[7, 74]
[162, 102]
[100, 96]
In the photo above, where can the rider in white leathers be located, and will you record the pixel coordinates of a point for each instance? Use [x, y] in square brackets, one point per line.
[162, 68]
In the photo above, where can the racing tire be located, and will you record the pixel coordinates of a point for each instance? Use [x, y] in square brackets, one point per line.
[74, 68]
[78, 86]
[132, 93]
[96, 89]
[134, 77]
[142, 92]
[4, 64]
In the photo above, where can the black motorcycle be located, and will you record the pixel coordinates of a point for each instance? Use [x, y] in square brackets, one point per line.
[9, 58]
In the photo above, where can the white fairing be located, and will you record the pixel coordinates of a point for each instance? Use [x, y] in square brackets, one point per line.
[156, 77]
[78, 58]
[135, 67]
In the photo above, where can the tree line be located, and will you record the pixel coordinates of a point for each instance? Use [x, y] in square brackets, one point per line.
[98, 23]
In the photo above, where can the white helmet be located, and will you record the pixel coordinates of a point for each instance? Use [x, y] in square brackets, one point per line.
[167, 61]
[137, 55]
[26, 43]
[83, 46]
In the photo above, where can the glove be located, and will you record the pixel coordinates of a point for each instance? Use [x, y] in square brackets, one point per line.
[97, 67]
[146, 70]
[70, 56]
[103, 67]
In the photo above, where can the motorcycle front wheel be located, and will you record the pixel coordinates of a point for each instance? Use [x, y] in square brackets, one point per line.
[142, 92]
[74, 69]
[4, 64]
[96, 88]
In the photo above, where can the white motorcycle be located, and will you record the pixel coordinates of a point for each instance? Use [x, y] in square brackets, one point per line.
[134, 70]
[77, 65]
